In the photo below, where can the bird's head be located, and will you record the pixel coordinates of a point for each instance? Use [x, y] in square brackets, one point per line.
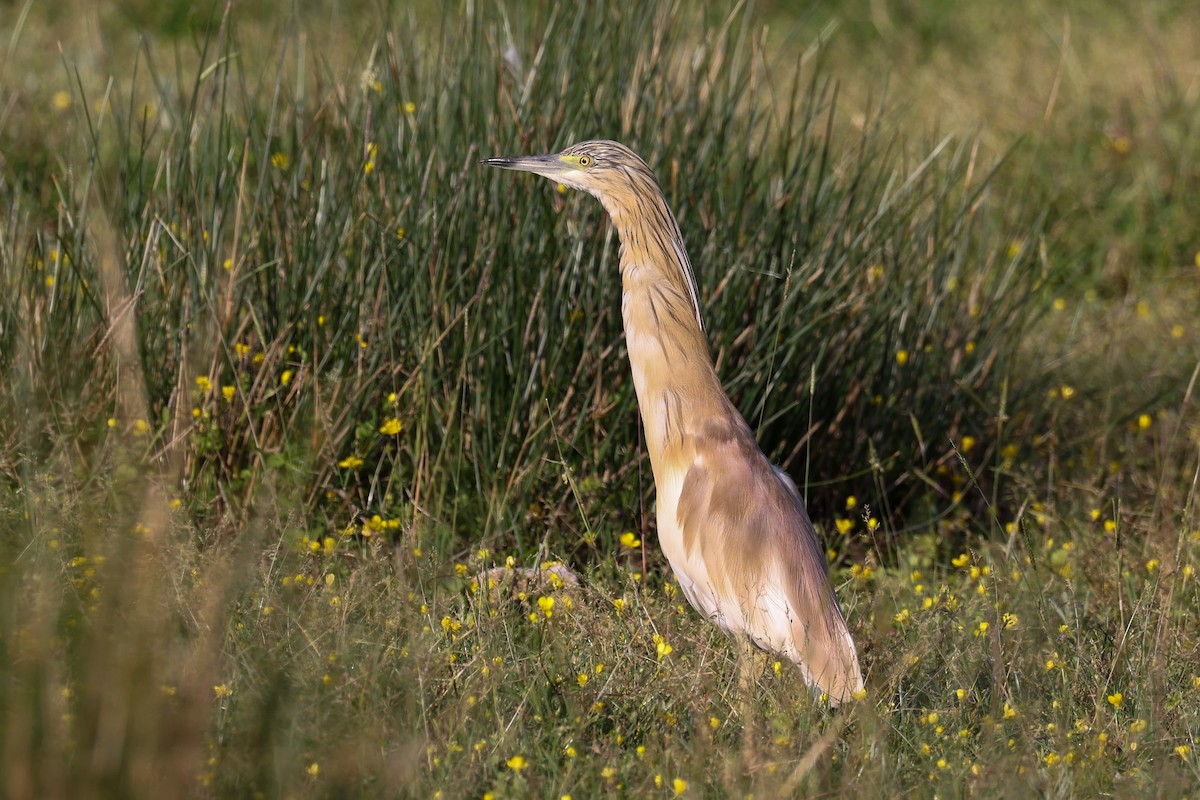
[627, 188]
[607, 170]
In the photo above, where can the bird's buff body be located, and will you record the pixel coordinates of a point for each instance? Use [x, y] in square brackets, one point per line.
[733, 527]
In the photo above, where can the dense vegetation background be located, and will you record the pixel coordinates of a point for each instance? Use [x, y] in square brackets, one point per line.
[286, 372]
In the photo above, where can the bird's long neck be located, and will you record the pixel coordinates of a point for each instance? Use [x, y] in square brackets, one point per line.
[673, 374]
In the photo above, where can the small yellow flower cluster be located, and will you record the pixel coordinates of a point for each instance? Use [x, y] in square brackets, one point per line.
[862, 572]
[377, 524]
[324, 545]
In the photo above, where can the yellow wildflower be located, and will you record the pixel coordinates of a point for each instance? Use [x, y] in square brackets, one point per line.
[661, 647]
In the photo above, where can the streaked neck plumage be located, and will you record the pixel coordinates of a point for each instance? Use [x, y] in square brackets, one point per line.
[673, 372]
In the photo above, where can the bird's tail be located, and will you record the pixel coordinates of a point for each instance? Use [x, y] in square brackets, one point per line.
[829, 659]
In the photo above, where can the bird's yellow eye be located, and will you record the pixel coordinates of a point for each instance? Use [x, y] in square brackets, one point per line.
[585, 161]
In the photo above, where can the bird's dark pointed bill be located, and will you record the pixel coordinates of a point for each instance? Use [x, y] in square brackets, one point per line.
[546, 163]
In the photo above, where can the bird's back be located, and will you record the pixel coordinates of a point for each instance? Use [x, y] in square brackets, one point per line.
[742, 546]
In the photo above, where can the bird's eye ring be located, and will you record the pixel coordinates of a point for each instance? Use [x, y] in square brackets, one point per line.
[585, 161]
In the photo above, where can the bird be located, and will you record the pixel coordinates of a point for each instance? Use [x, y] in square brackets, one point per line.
[732, 526]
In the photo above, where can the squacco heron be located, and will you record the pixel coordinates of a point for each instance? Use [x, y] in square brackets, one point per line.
[733, 526]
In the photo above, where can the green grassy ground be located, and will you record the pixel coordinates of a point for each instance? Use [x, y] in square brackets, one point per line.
[286, 373]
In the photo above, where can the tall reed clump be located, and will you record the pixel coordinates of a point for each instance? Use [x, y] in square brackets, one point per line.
[329, 290]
